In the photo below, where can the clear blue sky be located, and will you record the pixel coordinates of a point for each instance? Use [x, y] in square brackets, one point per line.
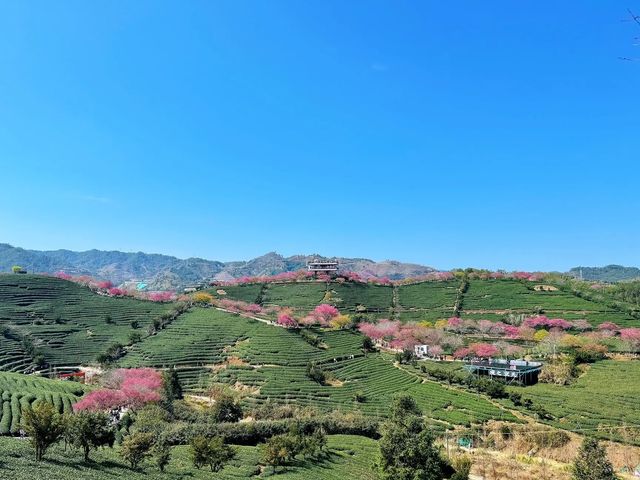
[499, 134]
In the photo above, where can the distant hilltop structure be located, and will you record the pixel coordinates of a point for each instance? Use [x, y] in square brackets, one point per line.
[317, 266]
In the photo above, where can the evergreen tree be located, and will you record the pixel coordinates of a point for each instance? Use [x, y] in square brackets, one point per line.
[592, 462]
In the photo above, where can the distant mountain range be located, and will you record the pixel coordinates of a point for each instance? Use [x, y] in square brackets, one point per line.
[164, 272]
[610, 273]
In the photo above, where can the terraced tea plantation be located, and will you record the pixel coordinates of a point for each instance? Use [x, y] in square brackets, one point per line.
[17, 391]
[68, 323]
[486, 298]
[269, 362]
[601, 401]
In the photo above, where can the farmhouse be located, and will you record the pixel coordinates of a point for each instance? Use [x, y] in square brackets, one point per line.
[520, 371]
[421, 351]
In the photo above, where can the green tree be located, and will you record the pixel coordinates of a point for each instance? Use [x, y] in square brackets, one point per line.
[44, 425]
[161, 452]
[407, 449]
[172, 386]
[151, 418]
[213, 452]
[592, 462]
[278, 450]
[136, 447]
[87, 430]
[226, 409]
[16, 269]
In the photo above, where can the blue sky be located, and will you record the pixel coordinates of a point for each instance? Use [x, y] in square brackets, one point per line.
[454, 134]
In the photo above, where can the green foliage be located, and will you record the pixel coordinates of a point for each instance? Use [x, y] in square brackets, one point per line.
[136, 447]
[89, 430]
[407, 449]
[213, 452]
[161, 453]
[44, 426]
[19, 391]
[279, 450]
[350, 457]
[226, 409]
[16, 269]
[171, 385]
[315, 373]
[592, 463]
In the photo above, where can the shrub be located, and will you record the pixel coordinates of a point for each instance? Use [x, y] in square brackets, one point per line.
[136, 447]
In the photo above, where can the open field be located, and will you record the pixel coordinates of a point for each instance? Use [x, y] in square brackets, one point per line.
[349, 457]
[66, 322]
[18, 391]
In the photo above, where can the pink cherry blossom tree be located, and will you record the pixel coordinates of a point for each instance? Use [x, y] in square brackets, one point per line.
[287, 321]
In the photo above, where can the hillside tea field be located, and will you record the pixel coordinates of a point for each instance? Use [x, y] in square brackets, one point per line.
[269, 362]
[68, 323]
[600, 402]
[17, 391]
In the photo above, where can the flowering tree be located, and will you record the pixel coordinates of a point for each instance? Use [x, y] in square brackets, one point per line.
[483, 350]
[608, 326]
[287, 321]
[455, 324]
[130, 388]
[462, 352]
[632, 337]
[436, 351]
[321, 315]
[485, 326]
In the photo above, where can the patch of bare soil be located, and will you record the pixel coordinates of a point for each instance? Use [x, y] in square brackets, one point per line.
[545, 288]
[334, 382]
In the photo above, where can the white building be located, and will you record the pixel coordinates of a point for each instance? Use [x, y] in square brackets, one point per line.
[421, 351]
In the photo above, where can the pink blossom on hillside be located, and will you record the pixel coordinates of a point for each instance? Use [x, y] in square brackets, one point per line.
[287, 321]
[512, 331]
[104, 285]
[485, 326]
[484, 350]
[630, 334]
[321, 315]
[608, 326]
[513, 351]
[454, 322]
[116, 292]
[63, 275]
[463, 352]
[581, 325]
[499, 328]
[100, 400]
[161, 296]
[370, 330]
[130, 388]
[436, 351]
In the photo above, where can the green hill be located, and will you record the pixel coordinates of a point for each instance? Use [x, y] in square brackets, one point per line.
[66, 323]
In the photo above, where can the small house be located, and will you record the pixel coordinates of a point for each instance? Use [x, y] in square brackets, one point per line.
[421, 351]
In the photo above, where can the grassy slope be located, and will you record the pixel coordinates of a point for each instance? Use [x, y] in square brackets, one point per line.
[350, 457]
[66, 321]
[17, 391]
